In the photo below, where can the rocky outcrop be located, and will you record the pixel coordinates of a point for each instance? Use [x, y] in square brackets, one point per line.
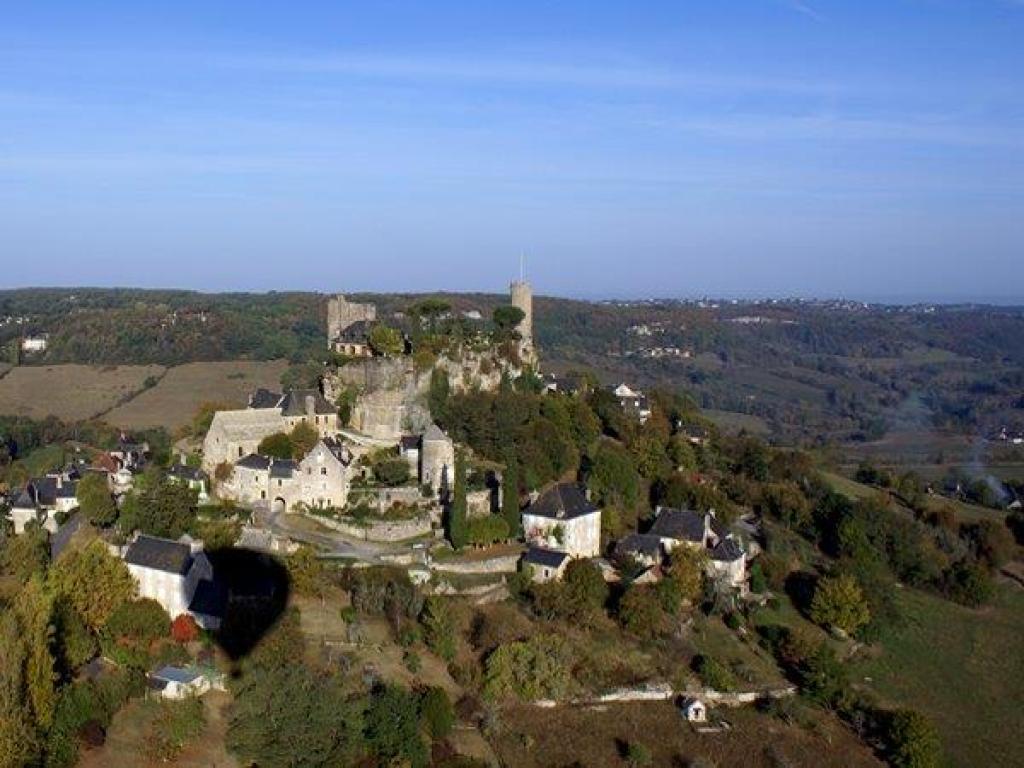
[392, 394]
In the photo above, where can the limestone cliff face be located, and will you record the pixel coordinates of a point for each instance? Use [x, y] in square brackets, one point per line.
[392, 397]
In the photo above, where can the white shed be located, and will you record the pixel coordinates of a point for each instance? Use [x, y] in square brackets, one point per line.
[695, 710]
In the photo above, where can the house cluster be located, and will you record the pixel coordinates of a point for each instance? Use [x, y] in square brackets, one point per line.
[726, 556]
[50, 499]
[323, 478]
[562, 523]
[655, 353]
[45, 500]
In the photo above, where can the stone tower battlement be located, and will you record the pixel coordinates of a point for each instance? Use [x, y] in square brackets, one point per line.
[342, 313]
[522, 297]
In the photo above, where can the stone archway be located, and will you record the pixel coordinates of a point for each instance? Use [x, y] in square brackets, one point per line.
[278, 506]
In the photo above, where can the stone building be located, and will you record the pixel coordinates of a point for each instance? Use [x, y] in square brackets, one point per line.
[562, 518]
[236, 434]
[727, 559]
[342, 314]
[41, 500]
[321, 479]
[437, 460]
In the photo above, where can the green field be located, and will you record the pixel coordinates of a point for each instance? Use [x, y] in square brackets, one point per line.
[961, 667]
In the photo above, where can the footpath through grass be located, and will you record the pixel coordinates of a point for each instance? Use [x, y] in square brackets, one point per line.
[964, 669]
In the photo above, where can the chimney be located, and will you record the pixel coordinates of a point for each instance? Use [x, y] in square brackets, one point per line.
[310, 405]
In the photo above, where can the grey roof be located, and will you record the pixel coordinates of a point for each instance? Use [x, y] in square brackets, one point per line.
[434, 434]
[548, 558]
[283, 467]
[45, 491]
[254, 461]
[410, 442]
[170, 674]
[679, 524]
[643, 543]
[726, 551]
[562, 501]
[185, 472]
[159, 554]
[25, 499]
[62, 537]
[294, 403]
[264, 398]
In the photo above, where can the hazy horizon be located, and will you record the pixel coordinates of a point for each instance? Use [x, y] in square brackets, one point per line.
[770, 148]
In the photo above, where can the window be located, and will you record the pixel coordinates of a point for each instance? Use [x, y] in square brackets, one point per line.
[239, 451]
[323, 470]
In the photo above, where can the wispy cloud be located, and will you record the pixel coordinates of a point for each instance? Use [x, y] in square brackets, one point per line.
[806, 10]
[513, 71]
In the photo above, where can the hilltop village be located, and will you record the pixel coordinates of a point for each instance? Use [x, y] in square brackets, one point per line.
[428, 527]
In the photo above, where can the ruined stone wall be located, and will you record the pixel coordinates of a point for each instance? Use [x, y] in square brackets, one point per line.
[342, 313]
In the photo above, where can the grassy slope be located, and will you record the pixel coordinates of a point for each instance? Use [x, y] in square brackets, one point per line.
[963, 668]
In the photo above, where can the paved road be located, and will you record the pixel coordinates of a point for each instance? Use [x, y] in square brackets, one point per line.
[333, 543]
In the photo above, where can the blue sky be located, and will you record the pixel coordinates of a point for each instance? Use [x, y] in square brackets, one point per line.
[743, 148]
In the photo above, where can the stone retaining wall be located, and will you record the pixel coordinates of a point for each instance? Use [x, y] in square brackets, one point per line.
[501, 564]
[382, 530]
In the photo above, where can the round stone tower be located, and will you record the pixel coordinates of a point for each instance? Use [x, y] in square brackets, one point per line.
[522, 297]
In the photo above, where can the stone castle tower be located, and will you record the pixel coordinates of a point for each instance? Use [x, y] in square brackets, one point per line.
[342, 313]
[522, 297]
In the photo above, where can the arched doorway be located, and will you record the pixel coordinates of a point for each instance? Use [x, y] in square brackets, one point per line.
[278, 506]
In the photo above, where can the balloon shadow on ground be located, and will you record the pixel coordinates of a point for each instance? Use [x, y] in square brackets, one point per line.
[252, 589]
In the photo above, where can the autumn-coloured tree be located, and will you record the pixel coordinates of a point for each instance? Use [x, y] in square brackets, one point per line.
[184, 629]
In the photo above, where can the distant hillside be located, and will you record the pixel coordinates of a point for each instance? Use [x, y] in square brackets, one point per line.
[805, 371]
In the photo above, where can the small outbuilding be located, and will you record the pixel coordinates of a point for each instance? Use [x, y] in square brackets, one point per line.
[178, 682]
[694, 710]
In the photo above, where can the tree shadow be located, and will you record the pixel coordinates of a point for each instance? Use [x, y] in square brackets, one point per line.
[253, 587]
[800, 588]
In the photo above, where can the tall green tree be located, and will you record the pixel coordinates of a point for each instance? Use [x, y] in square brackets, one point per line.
[95, 500]
[458, 529]
[438, 627]
[510, 496]
[34, 609]
[166, 509]
[93, 582]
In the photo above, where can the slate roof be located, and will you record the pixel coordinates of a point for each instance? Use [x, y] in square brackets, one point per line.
[562, 501]
[254, 461]
[726, 551]
[159, 555]
[410, 442]
[679, 524]
[294, 403]
[642, 543]
[283, 468]
[264, 398]
[185, 472]
[44, 491]
[170, 674]
[546, 558]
